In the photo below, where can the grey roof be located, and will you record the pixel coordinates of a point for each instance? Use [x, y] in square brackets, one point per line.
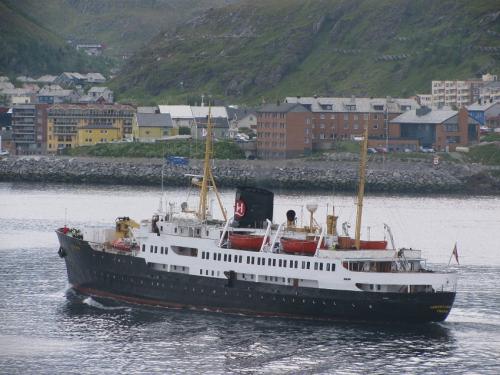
[98, 89]
[157, 120]
[481, 107]
[147, 109]
[217, 122]
[283, 108]
[239, 113]
[363, 105]
[434, 116]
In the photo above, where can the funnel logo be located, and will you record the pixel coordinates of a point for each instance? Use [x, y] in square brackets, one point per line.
[240, 209]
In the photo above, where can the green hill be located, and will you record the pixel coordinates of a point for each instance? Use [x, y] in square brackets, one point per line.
[29, 48]
[122, 25]
[271, 48]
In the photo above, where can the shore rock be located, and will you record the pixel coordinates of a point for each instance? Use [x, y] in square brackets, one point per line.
[337, 175]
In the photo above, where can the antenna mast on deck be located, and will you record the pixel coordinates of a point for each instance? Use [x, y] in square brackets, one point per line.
[361, 186]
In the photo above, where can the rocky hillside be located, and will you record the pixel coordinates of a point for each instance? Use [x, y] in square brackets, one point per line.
[27, 47]
[122, 25]
[269, 48]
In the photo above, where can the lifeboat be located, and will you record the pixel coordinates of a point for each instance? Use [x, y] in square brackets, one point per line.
[119, 244]
[295, 245]
[347, 243]
[245, 241]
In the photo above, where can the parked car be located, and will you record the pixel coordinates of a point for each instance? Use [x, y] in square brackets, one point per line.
[381, 150]
[371, 150]
[426, 149]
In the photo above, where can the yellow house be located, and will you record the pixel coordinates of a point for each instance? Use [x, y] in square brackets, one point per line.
[106, 121]
[93, 134]
[148, 127]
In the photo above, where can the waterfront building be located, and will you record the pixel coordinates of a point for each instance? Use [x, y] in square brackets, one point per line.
[64, 120]
[490, 92]
[487, 114]
[149, 127]
[283, 131]
[345, 118]
[441, 130]
[29, 130]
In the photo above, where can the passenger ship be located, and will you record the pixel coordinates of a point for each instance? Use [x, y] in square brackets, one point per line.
[184, 258]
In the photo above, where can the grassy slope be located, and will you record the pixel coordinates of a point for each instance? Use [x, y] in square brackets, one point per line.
[270, 49]
[122, 25]
[191, 149]
[29, 48]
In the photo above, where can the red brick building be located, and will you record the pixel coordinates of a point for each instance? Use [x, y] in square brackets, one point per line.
[343, 118]
[283, 131]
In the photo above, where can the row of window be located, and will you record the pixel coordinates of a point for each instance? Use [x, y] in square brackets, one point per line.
[154, 249]
[271, 262]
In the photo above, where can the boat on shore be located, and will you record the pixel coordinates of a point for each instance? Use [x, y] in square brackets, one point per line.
[184, 257]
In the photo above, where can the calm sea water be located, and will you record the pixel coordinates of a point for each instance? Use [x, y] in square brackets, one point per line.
[44, 332]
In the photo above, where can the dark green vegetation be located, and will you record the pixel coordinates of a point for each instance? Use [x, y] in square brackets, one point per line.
[486, 153]
[27, 47]
[190, 148]
[122, 25]
[266, 49]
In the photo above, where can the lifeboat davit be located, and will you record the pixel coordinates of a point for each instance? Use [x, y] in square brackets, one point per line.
[349, 243]
[245, 241]
[295, 245]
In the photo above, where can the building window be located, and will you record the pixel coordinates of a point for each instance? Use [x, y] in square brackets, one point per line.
[451, 127]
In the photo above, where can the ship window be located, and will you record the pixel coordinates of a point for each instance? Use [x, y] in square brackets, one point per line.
[296, 264]
[166, 250]
[274, 262]
[218, 256]
[229, 258]
[251, 276]
[328, 266]
[215, 256]
[269, 261]
[206, 272]
[241, 259]
[378, 287]
[308, 265]
[303, 264]
[315, 266]
[202, 255]
[212, 272]
[371, 286]
[201, 272]
[161, 228]
[175, 230]
[225, 257]
[258, 261]
[333, 266]
[143, 247]
[253, 260]
[284, 263]
[279, 263]
[151, 249]
[161, 250]
[207, 233]
[321, 266]
[248, 260]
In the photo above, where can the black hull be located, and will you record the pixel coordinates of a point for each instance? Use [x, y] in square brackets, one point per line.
[129, 279]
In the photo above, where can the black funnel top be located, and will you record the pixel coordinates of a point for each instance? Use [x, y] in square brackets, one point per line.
[252, 207]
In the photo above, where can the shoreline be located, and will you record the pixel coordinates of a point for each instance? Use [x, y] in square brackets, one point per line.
[403, 177]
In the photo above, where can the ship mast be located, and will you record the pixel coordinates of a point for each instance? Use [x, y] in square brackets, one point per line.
[361, 186]
[208, 176]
